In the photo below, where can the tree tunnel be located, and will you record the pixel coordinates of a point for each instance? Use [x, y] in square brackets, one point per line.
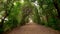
[15, 13]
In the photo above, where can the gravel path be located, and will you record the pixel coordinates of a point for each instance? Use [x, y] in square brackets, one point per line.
[32, 28]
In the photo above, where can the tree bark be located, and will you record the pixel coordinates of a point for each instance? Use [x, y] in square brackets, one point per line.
[57, 7]
[6, 14]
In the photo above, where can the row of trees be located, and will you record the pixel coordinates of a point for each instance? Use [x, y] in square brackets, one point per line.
[47, 13]
[15, 12]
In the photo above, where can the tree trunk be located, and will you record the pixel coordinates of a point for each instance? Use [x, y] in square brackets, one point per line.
[57, 7]
[6, 14]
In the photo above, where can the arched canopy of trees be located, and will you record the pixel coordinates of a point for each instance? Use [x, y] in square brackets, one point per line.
[15, 13]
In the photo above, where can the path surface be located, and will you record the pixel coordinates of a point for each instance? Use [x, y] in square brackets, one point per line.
[32, 28]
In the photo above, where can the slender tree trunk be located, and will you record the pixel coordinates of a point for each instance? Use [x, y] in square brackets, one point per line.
[38, 16]
[6, 14]
[57, 7]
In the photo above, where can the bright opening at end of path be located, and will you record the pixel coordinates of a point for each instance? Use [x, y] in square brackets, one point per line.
[30, 20]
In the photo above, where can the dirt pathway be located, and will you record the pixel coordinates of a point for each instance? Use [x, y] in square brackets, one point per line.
[32, 28]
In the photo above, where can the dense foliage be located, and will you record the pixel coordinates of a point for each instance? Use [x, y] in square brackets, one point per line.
[15, 13]
[47, 13]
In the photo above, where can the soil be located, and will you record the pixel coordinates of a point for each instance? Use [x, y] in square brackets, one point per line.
[32, 28]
